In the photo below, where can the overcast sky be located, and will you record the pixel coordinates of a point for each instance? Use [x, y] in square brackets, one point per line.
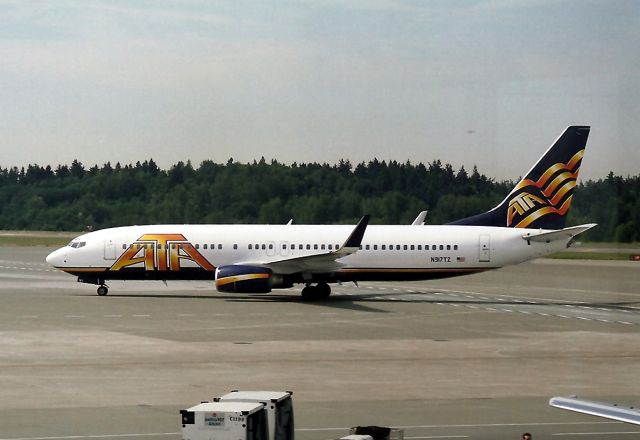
[490, 83]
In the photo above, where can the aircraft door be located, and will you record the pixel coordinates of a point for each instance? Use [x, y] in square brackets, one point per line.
[109, 249]
[484, 248]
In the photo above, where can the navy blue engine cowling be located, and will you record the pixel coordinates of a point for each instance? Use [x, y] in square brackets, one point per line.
[243, 279]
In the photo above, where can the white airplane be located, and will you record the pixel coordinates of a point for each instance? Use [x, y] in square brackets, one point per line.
[613, 411]
[527, 224]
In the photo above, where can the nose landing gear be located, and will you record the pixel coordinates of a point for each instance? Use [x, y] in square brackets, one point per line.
[103, 289]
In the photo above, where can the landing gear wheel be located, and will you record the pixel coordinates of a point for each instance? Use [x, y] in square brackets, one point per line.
[317, 292]
[103, 290]
[308, 293]
[324, 290]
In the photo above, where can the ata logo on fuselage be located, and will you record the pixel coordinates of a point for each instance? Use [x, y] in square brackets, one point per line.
[161, 252]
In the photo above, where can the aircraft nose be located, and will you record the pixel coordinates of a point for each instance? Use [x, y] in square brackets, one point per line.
[57, 257]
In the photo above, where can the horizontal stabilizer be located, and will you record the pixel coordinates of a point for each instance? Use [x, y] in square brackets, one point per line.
[561, 234]
[606, 410]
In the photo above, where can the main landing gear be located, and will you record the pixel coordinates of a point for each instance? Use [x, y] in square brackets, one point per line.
[318, 292]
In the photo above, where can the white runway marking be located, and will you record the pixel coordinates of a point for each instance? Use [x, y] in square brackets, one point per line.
[106, 436]
[468, 425]
[480, 298]
[72, 437]
[439, 436]
[595, 433]
[32, 269]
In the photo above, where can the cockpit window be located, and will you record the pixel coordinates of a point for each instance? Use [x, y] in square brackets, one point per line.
[77, 244]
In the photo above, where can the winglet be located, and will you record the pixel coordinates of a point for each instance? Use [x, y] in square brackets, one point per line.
[355, 238]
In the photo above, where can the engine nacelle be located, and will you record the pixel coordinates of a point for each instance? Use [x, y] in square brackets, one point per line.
[243, 279]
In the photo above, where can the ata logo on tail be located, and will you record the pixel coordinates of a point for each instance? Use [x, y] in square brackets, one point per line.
[161, 252]
[545, 195]
[521, 204]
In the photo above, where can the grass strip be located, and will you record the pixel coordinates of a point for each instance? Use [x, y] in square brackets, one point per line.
[568, 255]
[33, 240]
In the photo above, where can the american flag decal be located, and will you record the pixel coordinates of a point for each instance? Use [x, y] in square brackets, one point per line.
[460, 259]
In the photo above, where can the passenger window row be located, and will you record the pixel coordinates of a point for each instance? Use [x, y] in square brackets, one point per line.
[285, 246]
[292, 246]
[175, 246]
[409, 247]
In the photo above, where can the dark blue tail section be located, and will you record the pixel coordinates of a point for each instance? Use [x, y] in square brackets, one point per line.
[543, 197]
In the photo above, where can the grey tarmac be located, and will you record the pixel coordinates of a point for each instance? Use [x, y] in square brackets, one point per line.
[474, 357]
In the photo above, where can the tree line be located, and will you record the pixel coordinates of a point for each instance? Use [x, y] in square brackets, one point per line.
[73, 197]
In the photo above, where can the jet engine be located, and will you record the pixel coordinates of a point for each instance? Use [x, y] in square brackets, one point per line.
[243, 279]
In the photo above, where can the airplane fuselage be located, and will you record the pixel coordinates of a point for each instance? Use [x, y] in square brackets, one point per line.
[389, 252]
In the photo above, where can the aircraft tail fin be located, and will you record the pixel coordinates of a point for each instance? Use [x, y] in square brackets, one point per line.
[543, 196]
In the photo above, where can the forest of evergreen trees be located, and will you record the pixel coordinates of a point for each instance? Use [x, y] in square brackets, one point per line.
[74, 197]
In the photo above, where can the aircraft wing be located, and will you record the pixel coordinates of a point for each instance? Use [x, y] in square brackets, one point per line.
[321, 262]
[606, 410]
[560, 234]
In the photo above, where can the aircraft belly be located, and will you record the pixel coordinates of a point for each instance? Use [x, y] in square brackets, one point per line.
[406, 274]
[135, 273]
